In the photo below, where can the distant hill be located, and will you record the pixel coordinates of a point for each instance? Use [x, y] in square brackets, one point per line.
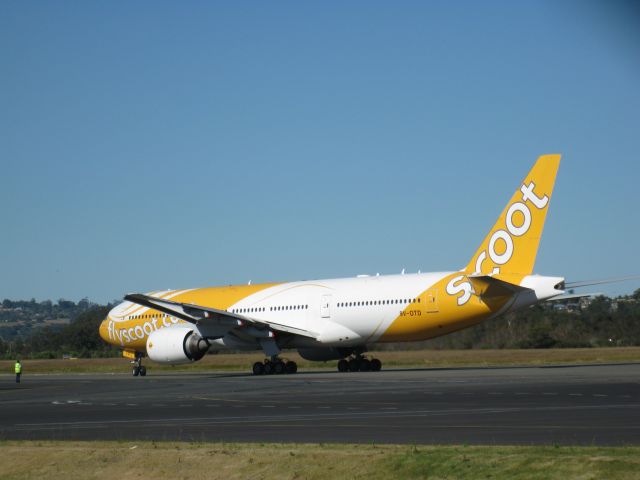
[18, 318]
[78, 338]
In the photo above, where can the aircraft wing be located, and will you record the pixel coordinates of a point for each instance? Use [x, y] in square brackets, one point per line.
[200, 315]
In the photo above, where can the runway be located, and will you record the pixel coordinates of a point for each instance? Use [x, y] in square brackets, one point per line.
[581, 405]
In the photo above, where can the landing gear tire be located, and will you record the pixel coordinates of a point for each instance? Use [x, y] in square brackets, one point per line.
[359, 364]
[365, 365]
[268, 368]
[258, 368]
[290, 367]
[376, 365]
[343, 365]
[354, 365]
[138, 369]
[274, 366]
[279, 368]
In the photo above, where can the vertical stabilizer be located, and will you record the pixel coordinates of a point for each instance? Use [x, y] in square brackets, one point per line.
[512, 244]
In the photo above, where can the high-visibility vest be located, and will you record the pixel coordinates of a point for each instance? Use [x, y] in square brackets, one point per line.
[18, 367]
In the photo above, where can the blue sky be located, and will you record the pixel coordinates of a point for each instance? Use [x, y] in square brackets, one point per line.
[152, 145]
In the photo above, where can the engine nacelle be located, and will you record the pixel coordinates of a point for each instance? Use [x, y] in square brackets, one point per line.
[176, 345]
[322, 354]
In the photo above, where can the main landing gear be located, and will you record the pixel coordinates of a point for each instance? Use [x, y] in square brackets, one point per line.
[358, 363]
[138, 368]
[274, 365]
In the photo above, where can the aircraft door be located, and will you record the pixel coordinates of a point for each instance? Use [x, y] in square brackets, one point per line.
[325, 306]
[431, 301]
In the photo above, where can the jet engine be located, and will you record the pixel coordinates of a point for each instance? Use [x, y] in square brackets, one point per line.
[176, 345]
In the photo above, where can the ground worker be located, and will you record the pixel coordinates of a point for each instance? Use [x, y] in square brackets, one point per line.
[18, 371]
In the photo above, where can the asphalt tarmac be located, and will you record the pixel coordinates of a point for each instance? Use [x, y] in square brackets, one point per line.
[577, 405]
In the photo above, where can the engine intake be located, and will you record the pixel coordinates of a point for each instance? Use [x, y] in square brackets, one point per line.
[176, 345]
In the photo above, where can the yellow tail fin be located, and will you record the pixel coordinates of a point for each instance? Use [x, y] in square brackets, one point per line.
[512, 243]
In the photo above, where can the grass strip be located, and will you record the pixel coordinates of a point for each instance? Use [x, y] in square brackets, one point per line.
[172, 460]
[391, 359]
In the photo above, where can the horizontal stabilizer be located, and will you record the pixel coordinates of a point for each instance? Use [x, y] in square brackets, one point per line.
[486, 286]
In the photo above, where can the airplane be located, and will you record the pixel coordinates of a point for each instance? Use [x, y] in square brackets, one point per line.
[337, 319]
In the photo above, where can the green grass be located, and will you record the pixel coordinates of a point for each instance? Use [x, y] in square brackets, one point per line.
[390, 359]
[159, 460]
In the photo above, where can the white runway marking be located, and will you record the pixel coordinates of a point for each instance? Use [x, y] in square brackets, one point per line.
[324, 416]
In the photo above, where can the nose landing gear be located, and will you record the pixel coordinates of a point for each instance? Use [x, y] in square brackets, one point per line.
[138, 368]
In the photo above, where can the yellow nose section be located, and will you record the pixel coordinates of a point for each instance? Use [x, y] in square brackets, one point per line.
[104, 330]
